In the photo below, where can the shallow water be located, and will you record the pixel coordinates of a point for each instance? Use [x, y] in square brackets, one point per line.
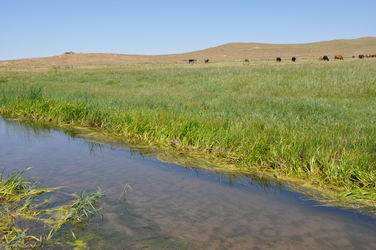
[172, 207]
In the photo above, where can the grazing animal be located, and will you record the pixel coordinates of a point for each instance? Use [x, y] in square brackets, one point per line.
[361, 56]
[69, 53]
[278, 59]
[192, 61]
[353, 56]
[338, 57]
[293, 59]
[324, 58]
[246, 61]
[206, 61]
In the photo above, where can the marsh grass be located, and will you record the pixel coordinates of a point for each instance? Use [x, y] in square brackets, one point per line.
[309, 122]
[24, 209]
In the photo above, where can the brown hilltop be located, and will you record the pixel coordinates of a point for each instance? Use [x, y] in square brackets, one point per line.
[224, 53]
[347, 48]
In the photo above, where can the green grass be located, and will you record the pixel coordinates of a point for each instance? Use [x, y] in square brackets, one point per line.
[26, 208]
[310, 122]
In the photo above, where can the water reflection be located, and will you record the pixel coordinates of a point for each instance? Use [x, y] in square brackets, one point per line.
[172, 207]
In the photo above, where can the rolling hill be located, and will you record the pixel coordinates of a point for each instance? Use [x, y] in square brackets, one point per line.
[225, 53]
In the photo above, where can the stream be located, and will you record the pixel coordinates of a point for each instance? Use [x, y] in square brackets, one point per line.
[150, 204]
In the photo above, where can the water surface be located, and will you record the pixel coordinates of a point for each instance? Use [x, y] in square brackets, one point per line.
[172, 207]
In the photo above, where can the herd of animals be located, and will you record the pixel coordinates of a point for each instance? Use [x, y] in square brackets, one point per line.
[278, 59]
[294, 59]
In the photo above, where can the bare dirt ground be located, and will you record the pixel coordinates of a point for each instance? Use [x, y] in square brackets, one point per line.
[232, 52]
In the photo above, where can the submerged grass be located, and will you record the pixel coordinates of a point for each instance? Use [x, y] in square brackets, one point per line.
[311, 122]
[24, 208]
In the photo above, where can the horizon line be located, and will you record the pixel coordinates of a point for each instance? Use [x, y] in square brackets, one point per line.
[193, 51]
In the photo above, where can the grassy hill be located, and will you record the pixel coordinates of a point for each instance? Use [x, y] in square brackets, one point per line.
[255, 52]
[313, 122]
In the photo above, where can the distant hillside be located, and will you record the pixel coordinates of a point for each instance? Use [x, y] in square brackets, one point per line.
[224, 53]
[238, 51]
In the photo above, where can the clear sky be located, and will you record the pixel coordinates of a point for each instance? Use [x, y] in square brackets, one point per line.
[32, 28]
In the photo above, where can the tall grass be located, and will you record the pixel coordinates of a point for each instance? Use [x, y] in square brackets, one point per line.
[313, 122]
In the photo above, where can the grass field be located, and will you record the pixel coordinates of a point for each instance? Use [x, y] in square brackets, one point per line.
[314, 122]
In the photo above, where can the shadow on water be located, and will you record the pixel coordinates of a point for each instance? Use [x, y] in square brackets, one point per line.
[159, 205]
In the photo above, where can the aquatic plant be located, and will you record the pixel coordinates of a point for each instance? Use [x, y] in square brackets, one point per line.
[24, 207]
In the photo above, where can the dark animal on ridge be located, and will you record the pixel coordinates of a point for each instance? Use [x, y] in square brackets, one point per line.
[361, 56]
[206, 61]
[278, 59]
[246, 61]
[338, 57]
[293, 59]
[192, 61]
[324, 58]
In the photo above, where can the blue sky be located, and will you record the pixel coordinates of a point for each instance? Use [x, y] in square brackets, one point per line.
[32, 28]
